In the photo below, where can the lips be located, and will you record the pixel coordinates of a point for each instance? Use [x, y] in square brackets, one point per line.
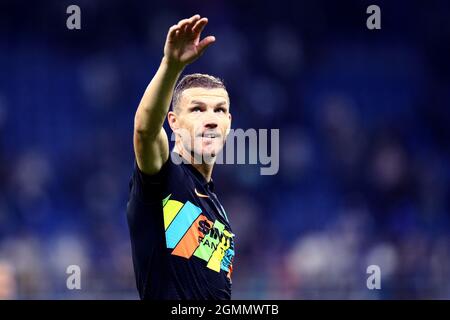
[210, 135]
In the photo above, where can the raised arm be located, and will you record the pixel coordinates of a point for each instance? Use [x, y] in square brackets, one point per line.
[183, 46]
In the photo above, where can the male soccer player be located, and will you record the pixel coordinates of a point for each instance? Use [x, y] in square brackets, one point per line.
[182, 242]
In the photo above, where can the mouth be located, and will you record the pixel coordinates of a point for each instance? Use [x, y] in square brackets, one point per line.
[209, 135]
[209, 138]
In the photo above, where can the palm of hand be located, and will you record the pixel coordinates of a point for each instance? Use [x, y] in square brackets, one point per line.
[183, 43]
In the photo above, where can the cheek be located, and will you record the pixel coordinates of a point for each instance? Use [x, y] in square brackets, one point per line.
[188, 125]
[225, 125]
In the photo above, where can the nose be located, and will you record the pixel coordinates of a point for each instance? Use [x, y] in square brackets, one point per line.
[210, 125]
[210, 121]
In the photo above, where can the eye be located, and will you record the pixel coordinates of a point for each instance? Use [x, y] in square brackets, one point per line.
[222, 110]
[196, 109]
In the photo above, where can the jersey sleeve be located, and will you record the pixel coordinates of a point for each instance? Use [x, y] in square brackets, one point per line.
[148, 188]
[146, 225]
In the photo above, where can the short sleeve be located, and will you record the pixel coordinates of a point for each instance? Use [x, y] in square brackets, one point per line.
[148, 188]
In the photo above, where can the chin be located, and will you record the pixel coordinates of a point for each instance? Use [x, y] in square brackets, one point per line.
[210, 149]
[207, 152]
[208, 155]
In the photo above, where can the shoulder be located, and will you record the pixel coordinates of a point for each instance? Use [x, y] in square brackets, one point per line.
[147, 186]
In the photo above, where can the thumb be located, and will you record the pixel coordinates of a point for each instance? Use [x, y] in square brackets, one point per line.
[205, 43]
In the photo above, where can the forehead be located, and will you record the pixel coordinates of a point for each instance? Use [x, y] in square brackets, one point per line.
[205, 95]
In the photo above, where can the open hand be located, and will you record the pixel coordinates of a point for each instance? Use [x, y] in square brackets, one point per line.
[183, 44]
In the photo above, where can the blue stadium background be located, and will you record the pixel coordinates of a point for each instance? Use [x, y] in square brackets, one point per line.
[364, 119]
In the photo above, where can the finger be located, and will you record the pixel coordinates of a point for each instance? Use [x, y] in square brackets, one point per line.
[205, 43]
[187, 27]
[194, 17]
[172, 32]
[182, 23]
[199, 25]
[193, 20]
[199, 29]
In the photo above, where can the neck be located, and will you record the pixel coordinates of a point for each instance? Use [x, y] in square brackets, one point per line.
[204, 168]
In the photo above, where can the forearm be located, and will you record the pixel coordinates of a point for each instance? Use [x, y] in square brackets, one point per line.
[156, 100]
[183, 46]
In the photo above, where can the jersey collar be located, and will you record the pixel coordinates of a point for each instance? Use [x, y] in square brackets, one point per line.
[207, 185]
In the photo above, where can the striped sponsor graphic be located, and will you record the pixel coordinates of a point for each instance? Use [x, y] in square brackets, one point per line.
[190, 233]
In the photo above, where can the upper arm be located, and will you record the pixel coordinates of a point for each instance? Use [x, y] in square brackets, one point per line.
[151, 151]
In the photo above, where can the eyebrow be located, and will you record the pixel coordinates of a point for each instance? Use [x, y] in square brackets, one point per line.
[222, 103]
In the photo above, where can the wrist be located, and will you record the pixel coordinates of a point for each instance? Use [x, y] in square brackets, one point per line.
[172, 66]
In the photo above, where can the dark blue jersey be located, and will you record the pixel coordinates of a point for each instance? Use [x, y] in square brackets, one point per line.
[182, 242]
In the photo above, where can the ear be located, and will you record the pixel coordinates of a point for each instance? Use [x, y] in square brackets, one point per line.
[172, 120]
[229, 124]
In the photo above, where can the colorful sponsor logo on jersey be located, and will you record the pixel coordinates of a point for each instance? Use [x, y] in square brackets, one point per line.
[190, 233]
